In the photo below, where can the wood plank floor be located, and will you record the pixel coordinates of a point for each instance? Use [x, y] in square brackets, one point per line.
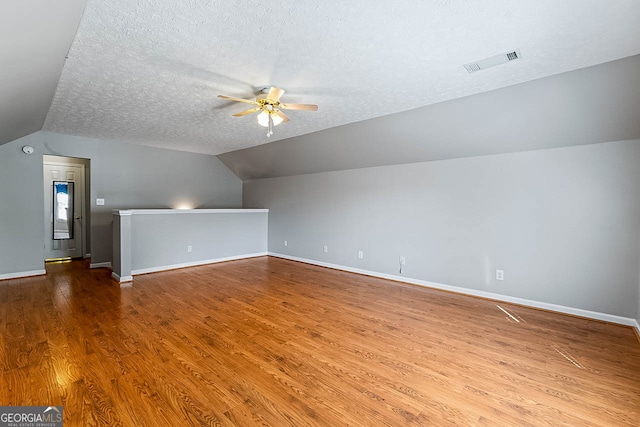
[272, 342]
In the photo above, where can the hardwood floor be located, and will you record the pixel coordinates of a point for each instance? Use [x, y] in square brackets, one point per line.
[274, 342]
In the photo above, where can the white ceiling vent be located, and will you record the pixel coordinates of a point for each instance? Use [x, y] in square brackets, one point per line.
[503, 58]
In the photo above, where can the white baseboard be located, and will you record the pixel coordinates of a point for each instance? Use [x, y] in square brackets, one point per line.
[100, 265]
[637, 326]
[505, 298]
[122, 279]
[195, 263]
[85, 256]
[22, 274]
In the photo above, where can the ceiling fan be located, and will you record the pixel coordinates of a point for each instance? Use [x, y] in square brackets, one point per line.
[270, 108]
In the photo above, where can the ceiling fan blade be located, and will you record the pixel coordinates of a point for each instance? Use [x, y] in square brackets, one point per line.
[247, 101]
[283, 115]
[308, 107]
[244, 113]
[275, 93]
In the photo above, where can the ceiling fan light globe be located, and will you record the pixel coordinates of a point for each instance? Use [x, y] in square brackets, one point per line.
[276, 119]
[263, 119]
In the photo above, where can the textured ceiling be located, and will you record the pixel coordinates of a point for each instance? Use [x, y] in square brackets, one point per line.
[148, 71]
[596, 104]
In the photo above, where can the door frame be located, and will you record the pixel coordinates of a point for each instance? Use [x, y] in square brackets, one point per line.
[85, 207]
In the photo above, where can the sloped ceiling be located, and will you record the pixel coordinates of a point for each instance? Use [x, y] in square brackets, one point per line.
[148, 71]
[35, 36]
[586, 106]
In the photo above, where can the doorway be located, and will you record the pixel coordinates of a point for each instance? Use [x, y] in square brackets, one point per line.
[65, 210]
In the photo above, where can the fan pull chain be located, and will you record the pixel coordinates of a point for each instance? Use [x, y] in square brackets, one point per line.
[270, 132]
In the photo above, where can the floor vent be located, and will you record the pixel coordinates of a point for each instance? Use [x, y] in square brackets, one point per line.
[483, 64]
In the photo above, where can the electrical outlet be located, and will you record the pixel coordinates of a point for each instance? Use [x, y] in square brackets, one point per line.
[499, 274]
[189, 248]
[99, 202]
[360, 254]
[325, 249]
[286, 243]
[403, 260]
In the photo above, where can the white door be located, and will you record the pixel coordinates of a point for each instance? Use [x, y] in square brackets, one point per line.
[63, 191]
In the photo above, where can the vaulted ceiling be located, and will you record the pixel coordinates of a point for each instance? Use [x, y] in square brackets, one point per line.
[148, 71]
[35, 36]
[586, 106]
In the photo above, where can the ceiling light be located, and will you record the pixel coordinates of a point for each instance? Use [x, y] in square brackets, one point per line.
[269, 118]
[263, 118]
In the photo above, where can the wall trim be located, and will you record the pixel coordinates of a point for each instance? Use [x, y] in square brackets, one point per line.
[195, 263]
[22, 274]
[636, 325]
[123, 212]
[100, 265]
[122, 279]
[611, 318]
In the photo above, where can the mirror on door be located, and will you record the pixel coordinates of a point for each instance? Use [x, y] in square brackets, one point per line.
[62, 210]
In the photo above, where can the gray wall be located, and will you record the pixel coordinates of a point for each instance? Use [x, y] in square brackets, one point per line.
[21, 210]
[562, 223]
[125, 175]
[212, 236]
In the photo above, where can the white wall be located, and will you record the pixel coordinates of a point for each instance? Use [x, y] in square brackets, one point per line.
[562, 223]
[127, 176]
